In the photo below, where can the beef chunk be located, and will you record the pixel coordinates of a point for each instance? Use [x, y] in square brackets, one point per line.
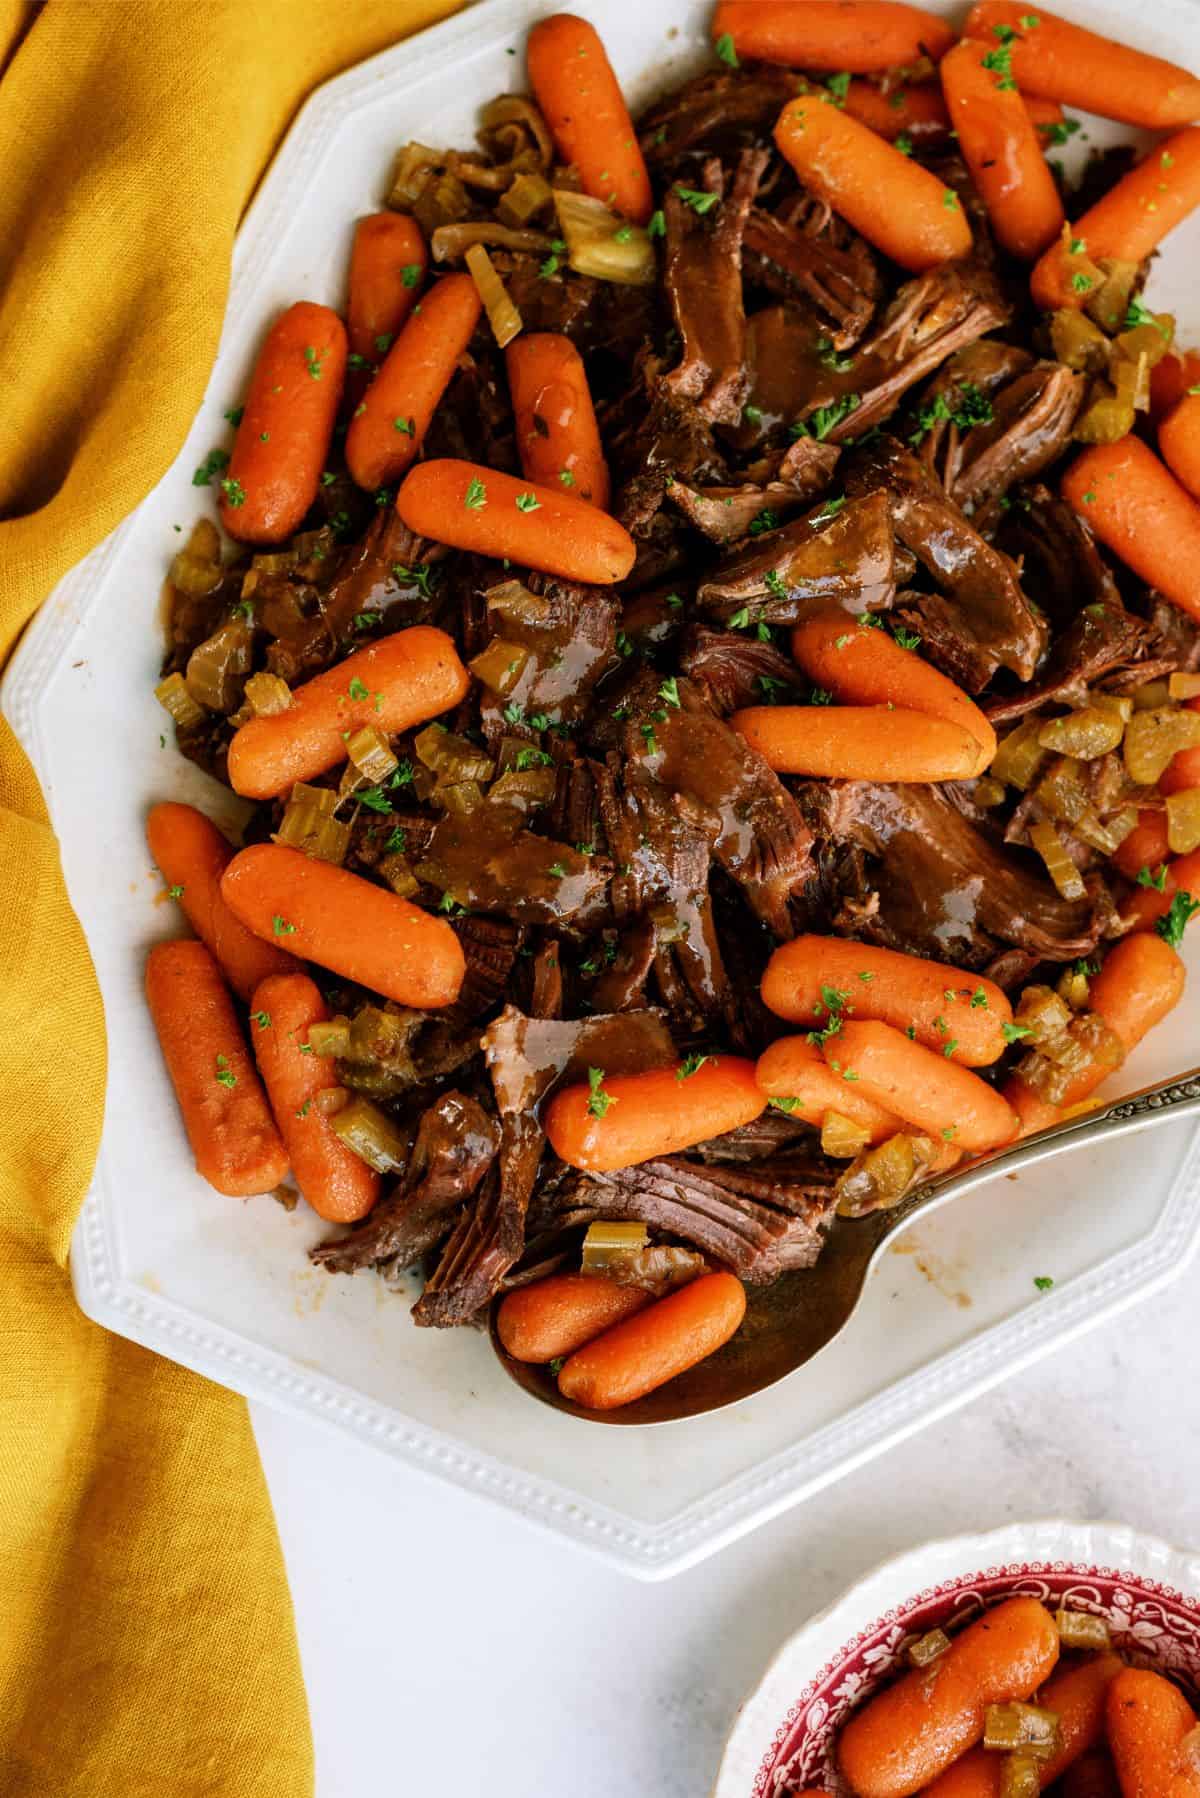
[733, 671]
[724, 514]
[704, 285]
[806, 254]
[724, 112]
[1102, 638]
[1061, 568]
[837, 556]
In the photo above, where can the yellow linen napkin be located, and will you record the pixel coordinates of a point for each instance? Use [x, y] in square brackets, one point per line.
[146, 1638]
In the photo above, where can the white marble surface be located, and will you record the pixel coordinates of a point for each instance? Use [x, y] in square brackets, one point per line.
[449, 1647]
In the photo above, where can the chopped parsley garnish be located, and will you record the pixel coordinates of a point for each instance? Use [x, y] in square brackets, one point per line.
[384, 343]
[820, 696]
[829, 509]
[979, 1000]
[769, 687]
[560, 1361]
[362, 621]
[375, 798]
[827, 418]
[950, 199]
[907, 639]
[450, 905]
[281, 927]
[949, 1048]
[410, 274]
[774, 584]
[397, 842]
[999, 60]
[624, 643]
[1183, 910]
[785, 1105]
[234, 492]
[225, 1075]
[1139, 314]
[1081, 282]
[904, 144]
[355, 360]
[405, 426]
[865, 974]
[566, 477]
[1013, 1033]
[623, 235]
[839, 85]
[1061, 131]
[262, 1019]
[420, 577]
[657, 226]
[753, 415]
[312, 362]
[691, 1064]
[529, 757]
[1157, 880]
[558, 871]
[235, 415]
[725, 50]
[766, 520]
[697, 199]
[598, 1100]
[971, 406]
[175, 892]
[649, 738]
[358, 689]
[528, 502]
[212, 464]
[670, 691]
[740, 619]
[475, 497]
[949, 1132]
[1043, 1282]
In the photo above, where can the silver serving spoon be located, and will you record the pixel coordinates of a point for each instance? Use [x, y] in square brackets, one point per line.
[788, 1323]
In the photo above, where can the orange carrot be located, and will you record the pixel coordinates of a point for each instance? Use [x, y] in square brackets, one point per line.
[400, 681]
[896, 204]
[1138, 509]
[917, 112]
[962, 1016]
[345, 923]
[915, 1729]
[495, 514]
[945, 1101]
[191, 855]
[1129, 222]
[558, 1315]
[1146, 845]
[1076, 1696]
[865, 666]
[557, 437]
[1179, 443]
[617, 1122]
[1183, 771]
[1143, 908]
[1170, 380]
[794, 1070]
[337, 1184]
[860, 35]
[1092, 1777]
[1140, 981]
[644, 1352]
[1000, 143]
[1148, 1719]
[581, 101]
[1065, 62]
[387, 265]
[225, 1113]
[286, 425]
[390, 425]
[1046, 114]
[853, 742]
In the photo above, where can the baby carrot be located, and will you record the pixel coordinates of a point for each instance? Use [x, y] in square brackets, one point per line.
[1060, 61]
[225, 1113]
[794, 1070]
[191, 855]
[1140, 981]
[286, 425]
[495, 514]
[557, 437]
[945, 1101]
[1146, 845]
[1143, 908]
[557, 1315]
[1000, 143]
[1179, 443]
[346, 924]
[917, 112]
[1076, 1695]
[400, 681]
[860, 35]
[1138, 509]
[896, 204]
[390, 424]
[617, 1122]
[916, 1728]
[811, 978]
[864, 666]
[1092, 1777]
[1129, 222]
[644, 1352]
[338, 1185]
[855, 742]
[1148, 1718]
[581, 101]
[1170, 380]
[387, 265]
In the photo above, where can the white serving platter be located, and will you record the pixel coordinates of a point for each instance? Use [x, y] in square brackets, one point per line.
[224, 1287]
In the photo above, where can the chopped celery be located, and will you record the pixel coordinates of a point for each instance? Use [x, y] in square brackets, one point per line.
[173, 696]
[927, 1650]
[841, 1138]
[371, 754]
[330, 1038]
[1153, 737]
[372, 1135]
[603, 244]
[1061, 869]
[501, 665]
[1088, 733]
[1079, 1629]
[607, 1245]
[267, 695]
[1028, 1727]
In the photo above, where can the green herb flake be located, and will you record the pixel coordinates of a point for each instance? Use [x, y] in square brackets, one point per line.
[907, 639]
[358, 689]
[725, 50]
[212, 464]
[475, 497]
[839, 86]
[691, 1064]
[669, 691]
[234, 492]
[904, 144]
[1043, 1282]
[406, 426]
[1013, 1033]
[528, 502]
[657, 225]
[1183, 910]
[598, 1100]
[1157, 880]
[312, 362]
[786, 1105]
[410, 274]
[698, 200]
[281, 927]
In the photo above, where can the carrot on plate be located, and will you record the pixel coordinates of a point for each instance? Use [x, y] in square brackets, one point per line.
[866, 666]
[1000, 143]
[901, 1740]
[1145, 846]
[1138, 509]
[582, 103]
[1143, 909]
[1148, 1719]
[863, 36]
[286, 425]
[388, 260]
[236, 1146]
[916, 111]
[494, 514]
[338, 1185]
[897, 205]
[637, 1356]
[1179, 442]
[945, 1101]
[346, 924]
[616, 1122]
[397, 409]
[393, 684]
[558, 440]
[794, 1072]
[1141, 979]
[1172, 376]
[1128, 223]
[856, 742]
[813, 978]
[191, 855]
[1056, 60]
[558, 1315]
[1076, 1695]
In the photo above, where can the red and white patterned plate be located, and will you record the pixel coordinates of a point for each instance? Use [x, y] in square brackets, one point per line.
[1149, 1593]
